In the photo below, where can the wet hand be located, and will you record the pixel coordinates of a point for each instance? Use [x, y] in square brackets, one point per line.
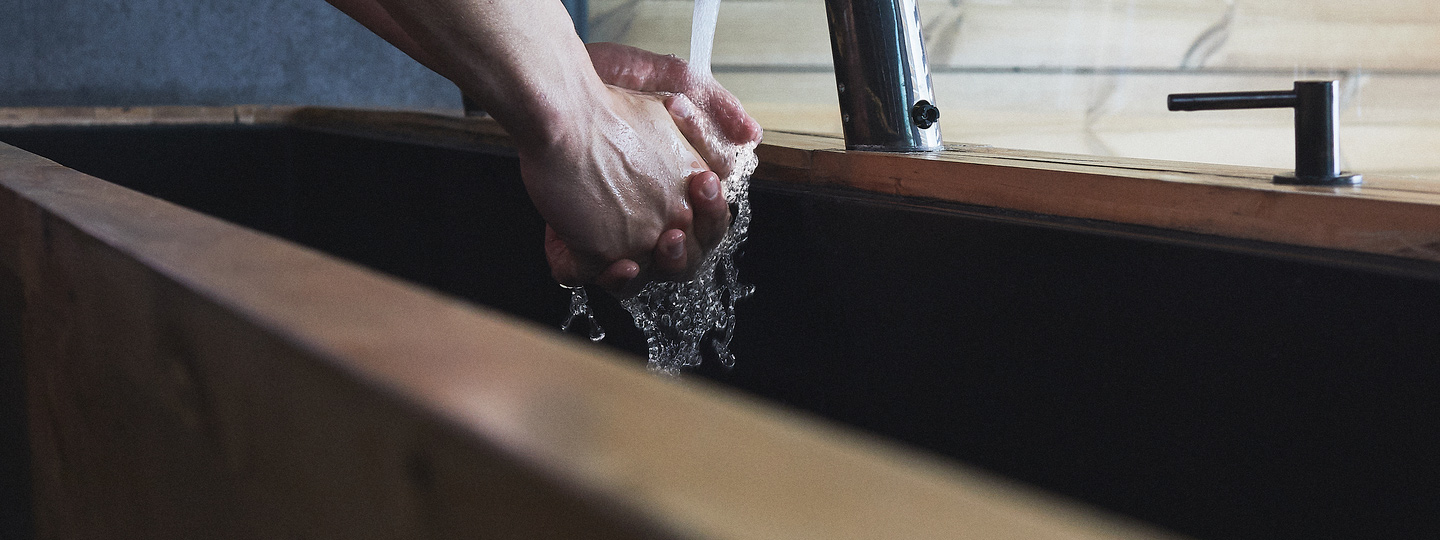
[710, 117]
[712, 121]
[626, 197]
[675, 256]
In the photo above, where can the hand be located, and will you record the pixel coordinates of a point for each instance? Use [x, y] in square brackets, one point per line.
[609, 170]
[709, 116]
[712, 121]
[632, 201]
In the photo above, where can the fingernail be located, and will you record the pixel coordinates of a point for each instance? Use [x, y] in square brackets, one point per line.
[675, 247]
[682, 107]
[709, 187]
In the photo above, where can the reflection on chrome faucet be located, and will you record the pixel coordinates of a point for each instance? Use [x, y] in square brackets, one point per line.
[886, 100]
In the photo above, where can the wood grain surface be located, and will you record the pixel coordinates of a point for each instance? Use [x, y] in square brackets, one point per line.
[1387, 215]
[1091, 76]
[194, 379]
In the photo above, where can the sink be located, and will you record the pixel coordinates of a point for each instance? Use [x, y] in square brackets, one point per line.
[1220, 388]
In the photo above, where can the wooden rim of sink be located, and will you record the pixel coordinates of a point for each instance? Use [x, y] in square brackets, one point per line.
[1387, 215]
[309, 369]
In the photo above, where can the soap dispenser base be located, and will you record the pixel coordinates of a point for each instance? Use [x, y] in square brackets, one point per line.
[1343, 179]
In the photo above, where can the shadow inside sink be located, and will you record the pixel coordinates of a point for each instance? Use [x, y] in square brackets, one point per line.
[1222, 389]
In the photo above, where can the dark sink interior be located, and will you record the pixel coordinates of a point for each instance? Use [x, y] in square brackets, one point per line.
[1221, 389]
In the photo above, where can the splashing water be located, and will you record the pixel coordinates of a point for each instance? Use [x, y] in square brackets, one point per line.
[678, 318]
[580, 305]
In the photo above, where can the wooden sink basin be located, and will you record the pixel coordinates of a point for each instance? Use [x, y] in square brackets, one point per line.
[1270, 382]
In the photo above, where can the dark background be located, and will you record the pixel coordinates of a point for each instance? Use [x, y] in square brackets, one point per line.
[205, 52]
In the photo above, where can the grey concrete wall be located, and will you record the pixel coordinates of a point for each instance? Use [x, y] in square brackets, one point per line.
[203, 52]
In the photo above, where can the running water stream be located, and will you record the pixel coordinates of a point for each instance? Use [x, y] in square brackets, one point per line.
[702, 36]
[681, 318]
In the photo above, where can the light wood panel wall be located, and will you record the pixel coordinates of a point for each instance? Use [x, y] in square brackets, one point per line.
[1091, 76]
[1280, 34]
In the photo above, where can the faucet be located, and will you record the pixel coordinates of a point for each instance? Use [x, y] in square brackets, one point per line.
[886, 100]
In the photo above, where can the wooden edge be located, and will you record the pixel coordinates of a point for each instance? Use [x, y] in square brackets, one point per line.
[432, 127]
[450, 131]
[12, 117]
[1392, 216]
[686, 458]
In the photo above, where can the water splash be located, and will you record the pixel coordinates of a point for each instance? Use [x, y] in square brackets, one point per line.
[580, 305]
[679, 317]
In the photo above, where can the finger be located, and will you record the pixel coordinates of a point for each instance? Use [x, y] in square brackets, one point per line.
[726, 110]
[563, 266]
[645, 71]
[711, 211]
[670, 253]
[700, 132]
[619, 275]
[569, 267]
[638, 69]
[566, 267]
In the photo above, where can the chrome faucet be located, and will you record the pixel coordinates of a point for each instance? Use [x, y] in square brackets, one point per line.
[886, 100]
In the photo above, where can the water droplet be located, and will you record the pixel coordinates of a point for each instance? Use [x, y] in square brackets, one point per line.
[580, 305]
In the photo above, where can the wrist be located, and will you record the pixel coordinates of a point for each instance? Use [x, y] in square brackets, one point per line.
[543, 100]
[558, 116]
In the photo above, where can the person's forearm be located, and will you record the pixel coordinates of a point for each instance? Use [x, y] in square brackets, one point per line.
[519, 59]
[374, 17]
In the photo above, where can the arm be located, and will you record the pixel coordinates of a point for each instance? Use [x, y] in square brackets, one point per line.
[607, 168]
[518, 58]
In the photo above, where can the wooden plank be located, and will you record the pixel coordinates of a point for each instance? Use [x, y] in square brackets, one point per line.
[314, 117]
[132, 116]
[1389, 124]
[191, 378]
[1387, 11]
[447, 130]
[789, 149]
[1274, 34]
[1388, 215]
[1279, 40]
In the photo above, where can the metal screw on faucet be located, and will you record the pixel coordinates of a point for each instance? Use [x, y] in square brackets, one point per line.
[924, 114]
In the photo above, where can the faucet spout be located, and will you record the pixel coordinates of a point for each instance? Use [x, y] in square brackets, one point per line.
[886, 99]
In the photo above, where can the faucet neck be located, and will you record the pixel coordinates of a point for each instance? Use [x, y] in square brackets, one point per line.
[886, 99]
